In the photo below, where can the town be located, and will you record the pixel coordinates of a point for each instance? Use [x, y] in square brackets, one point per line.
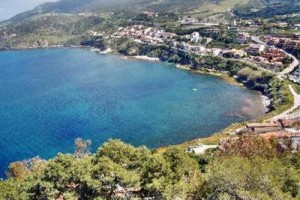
[270, 53]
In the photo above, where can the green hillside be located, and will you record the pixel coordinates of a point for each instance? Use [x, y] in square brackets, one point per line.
[248, 168]
[242, 7]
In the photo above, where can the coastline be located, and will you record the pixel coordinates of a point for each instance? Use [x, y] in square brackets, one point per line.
[223, 75]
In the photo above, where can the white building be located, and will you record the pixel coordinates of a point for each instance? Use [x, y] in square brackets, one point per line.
[255, 49]
[195, 37]
[242, 38]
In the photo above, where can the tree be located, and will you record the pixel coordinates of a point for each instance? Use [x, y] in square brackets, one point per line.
[21, 169]
[82, 147]
[249, 178]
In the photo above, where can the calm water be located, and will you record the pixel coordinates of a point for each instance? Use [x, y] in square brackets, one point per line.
[50, 97]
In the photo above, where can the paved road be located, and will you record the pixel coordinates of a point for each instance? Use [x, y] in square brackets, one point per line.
[296, 105]
[291, 66]
[257, 40]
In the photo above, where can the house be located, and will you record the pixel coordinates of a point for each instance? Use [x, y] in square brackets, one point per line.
[272, 41]
[242, 38]
[292, 44]
[234, 53]
[255, 49]
[233, 23]
[274, 55]
[287, 123]
[188, 21]
[233, 29]
[283, 41]
[261, 128]
[196, 49]
[195, 37]
[239, 53]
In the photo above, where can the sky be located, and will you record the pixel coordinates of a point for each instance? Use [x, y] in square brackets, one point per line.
[9, 8]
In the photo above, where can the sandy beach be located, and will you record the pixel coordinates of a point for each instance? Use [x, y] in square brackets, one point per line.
[146, 58]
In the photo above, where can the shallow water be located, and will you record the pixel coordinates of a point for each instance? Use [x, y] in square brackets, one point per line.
[50, 97]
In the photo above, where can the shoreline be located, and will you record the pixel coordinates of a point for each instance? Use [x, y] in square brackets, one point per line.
[223, 75]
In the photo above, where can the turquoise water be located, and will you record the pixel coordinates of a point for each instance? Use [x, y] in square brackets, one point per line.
[50, 97]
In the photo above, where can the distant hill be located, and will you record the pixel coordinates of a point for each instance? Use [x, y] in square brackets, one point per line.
[63, 22]
[241, 7]
[77, 6]
[268, 8]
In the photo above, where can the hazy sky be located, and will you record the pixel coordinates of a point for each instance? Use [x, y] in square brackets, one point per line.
[9, 8]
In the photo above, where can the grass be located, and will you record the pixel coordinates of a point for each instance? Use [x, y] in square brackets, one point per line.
[296, 87]
[211, 140]
[223, 6]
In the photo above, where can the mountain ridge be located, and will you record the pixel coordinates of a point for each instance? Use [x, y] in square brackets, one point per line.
[77, 6]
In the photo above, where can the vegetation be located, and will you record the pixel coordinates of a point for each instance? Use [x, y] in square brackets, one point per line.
[245, 168]
[266, 9]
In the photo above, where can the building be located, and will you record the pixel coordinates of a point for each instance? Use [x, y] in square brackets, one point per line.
[234, 53]
[274, 55]
[188, 21]
[256, 49]
[287, 123]
[195, 37]
[233, 23]
[263, 128]
[242, 38]
[233, 29]
[293, 44]
[272, 41]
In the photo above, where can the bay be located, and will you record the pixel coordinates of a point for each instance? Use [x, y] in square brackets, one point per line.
[50, 97]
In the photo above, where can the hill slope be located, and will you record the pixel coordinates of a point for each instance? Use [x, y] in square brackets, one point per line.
[241, 7]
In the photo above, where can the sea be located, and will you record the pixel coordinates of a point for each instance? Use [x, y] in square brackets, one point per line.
[50, 97]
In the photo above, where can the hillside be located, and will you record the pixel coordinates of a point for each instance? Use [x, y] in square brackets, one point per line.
[266, 9]
[246, 168]
[241, 7]
[76, 6]
[66, 21]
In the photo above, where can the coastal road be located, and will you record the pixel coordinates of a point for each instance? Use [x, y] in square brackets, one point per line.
[257, 40]
[291, 66]
[296, 105]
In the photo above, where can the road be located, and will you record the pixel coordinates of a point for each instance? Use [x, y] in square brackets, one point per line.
[257, 40]
[291, 66]
[296, 105]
